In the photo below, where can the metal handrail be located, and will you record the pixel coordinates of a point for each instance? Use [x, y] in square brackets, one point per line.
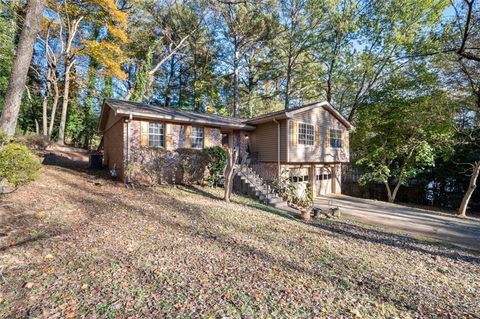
[247, 177]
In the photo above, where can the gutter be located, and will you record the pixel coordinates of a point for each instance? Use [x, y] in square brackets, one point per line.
[179, 119]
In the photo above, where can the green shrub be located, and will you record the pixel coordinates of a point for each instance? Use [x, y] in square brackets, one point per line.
[18, 165]
[293, 193]
[5, 139]
[218, 161]
[181, 166]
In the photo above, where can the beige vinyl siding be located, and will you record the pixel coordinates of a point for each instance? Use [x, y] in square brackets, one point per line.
[111, 119]
[264, 141]
[320, 152]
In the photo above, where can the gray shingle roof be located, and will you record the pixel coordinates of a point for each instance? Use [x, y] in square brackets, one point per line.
[152, 111]
[142, 110]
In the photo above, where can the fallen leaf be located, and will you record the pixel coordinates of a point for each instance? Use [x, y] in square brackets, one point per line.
[40, 214]
[151, 229]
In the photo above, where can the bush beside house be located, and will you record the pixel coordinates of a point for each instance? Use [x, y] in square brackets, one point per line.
[18, 165]
[149, 167]
[298, 195]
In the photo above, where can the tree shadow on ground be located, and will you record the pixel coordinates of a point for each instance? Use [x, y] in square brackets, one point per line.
[80, 165]
[431, 247]
[198, 191]
[30, 239]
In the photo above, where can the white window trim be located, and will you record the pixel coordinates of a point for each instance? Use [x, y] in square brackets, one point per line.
[163, 135]
[203, 137]
[330, 138]
[298, 133]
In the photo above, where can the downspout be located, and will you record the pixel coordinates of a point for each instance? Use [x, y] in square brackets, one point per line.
[278, 147]
[130, 117]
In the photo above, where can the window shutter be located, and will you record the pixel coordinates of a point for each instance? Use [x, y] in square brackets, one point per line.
[344, 138]
[327, 137]
[168, 136]
[188, 136]
[144, 133]
[293, 132]
[317, 136]
[206, 137]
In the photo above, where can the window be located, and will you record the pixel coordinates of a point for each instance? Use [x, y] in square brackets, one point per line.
[197, 137]
[306, 135]
[335, 138]
[298, 179]
[323, 177]
[155, 134]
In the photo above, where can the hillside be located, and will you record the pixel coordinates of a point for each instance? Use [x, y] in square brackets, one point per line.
[75, 245]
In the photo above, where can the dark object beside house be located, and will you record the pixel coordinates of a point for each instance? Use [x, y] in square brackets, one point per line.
[95, 161]
[327, 212]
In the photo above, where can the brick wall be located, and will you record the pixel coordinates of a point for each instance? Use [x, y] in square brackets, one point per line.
[178, 133]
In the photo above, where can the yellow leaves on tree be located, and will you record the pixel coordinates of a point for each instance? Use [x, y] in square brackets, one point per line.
[118, 33]
[115, 14]
[94, 15]
[107, 54]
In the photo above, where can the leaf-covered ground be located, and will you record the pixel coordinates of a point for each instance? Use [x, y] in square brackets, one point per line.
[71, 248]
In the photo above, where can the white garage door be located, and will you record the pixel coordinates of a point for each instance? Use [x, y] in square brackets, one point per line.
[323, 180]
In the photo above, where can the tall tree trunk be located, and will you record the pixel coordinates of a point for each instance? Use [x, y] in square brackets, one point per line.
[289, 79]
[352, 111]
[21, 64]
[393, 194]
[462, 211]
[231, 159]
[66, 92]
[389, 192]
[56, 97]
[331, 67]
[330, 80]
[168, 91]
[235, 78]
[44, 116]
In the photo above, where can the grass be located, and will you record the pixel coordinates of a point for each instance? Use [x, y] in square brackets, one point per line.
[111, 252]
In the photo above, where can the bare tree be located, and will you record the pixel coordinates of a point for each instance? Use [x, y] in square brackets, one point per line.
[52, 87]
[231, 159]
[21, 64]
[467, 33]
[471, 188]
[69, 61]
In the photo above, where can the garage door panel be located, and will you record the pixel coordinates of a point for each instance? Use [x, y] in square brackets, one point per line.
[323, 180]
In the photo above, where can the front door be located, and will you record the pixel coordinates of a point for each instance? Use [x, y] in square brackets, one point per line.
[226, 140]
[323, 180]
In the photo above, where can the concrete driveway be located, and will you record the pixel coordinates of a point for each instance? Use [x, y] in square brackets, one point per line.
[464, 232]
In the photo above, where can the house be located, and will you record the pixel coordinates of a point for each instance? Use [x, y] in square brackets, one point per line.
[309, 142]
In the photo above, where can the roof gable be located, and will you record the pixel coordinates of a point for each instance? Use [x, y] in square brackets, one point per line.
[284, 114]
